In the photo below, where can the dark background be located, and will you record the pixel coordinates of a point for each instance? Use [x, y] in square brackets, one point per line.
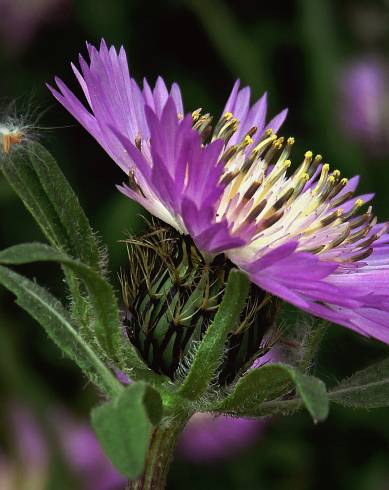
[297, 50]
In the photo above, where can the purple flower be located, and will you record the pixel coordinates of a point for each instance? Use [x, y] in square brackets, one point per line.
[207, 438]
[364, 92]
[300, 235]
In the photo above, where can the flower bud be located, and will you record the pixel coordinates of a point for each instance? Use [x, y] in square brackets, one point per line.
[171, 294]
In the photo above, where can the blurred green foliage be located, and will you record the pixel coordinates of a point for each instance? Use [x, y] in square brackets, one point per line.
[293, 49]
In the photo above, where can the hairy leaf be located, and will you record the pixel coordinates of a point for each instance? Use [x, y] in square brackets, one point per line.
[44, 190]
[210, 351]
[50, 313]
[123, 427]
[36, 178]
[368, 388]
[268, 382]
[101, 294]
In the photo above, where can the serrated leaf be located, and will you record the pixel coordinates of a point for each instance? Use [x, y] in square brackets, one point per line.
[50, 313]
[210, 351]
[368, 388]
[44, 190]
[271, 381]
[123, 427]
[101, 294]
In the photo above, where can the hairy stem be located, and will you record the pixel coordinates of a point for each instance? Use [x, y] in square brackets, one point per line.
[159, 456]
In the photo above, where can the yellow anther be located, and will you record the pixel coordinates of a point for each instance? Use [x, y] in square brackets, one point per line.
[339, 212]
[287, 163]
[308, 155]
[247, 140]
[290, 140]
[234, 121]
[305, 177]
[331, 179]
[277, 145]
[196, 114]
[269, 132]
[228, 115]
[359, 203]
[326, 167]
[318, 158]
[344, 181]
[336, 173]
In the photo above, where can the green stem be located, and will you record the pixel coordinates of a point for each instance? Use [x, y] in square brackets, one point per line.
[159, 456]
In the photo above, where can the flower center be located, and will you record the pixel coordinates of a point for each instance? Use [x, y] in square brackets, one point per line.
[268, 204]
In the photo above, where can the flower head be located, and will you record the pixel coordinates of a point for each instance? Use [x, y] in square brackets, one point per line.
[299, 233]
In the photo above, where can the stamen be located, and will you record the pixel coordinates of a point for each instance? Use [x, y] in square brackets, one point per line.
[196, 114]
[300, 185]
[222, 121]
[341, 199]
[261, 145]
[138, 142]
[338, 187]
[331, 217]
[252, 190]
[226, 131]
[256, 211]
[358, 204]
[229, 153]
[133, 183]
[340, 239]
[267, 223]
[312, 215]
[228, 177]
[363, 219]
[283, 199]
[323, 177]
[203, 124]
[354, 237]
[360, 256]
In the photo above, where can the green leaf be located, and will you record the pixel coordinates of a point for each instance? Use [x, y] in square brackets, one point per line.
[368, 388]
[36, 178]
[211, 349]
[101, 294]
[268, 382]
[103, 301]
[44, 190]
[123, 427]
[50, 313]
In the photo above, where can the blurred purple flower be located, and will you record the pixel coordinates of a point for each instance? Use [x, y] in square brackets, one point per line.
[28, 469]
[21, 19]
[30, 442]
[85, 456]
[364, 103]
[207, 438]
